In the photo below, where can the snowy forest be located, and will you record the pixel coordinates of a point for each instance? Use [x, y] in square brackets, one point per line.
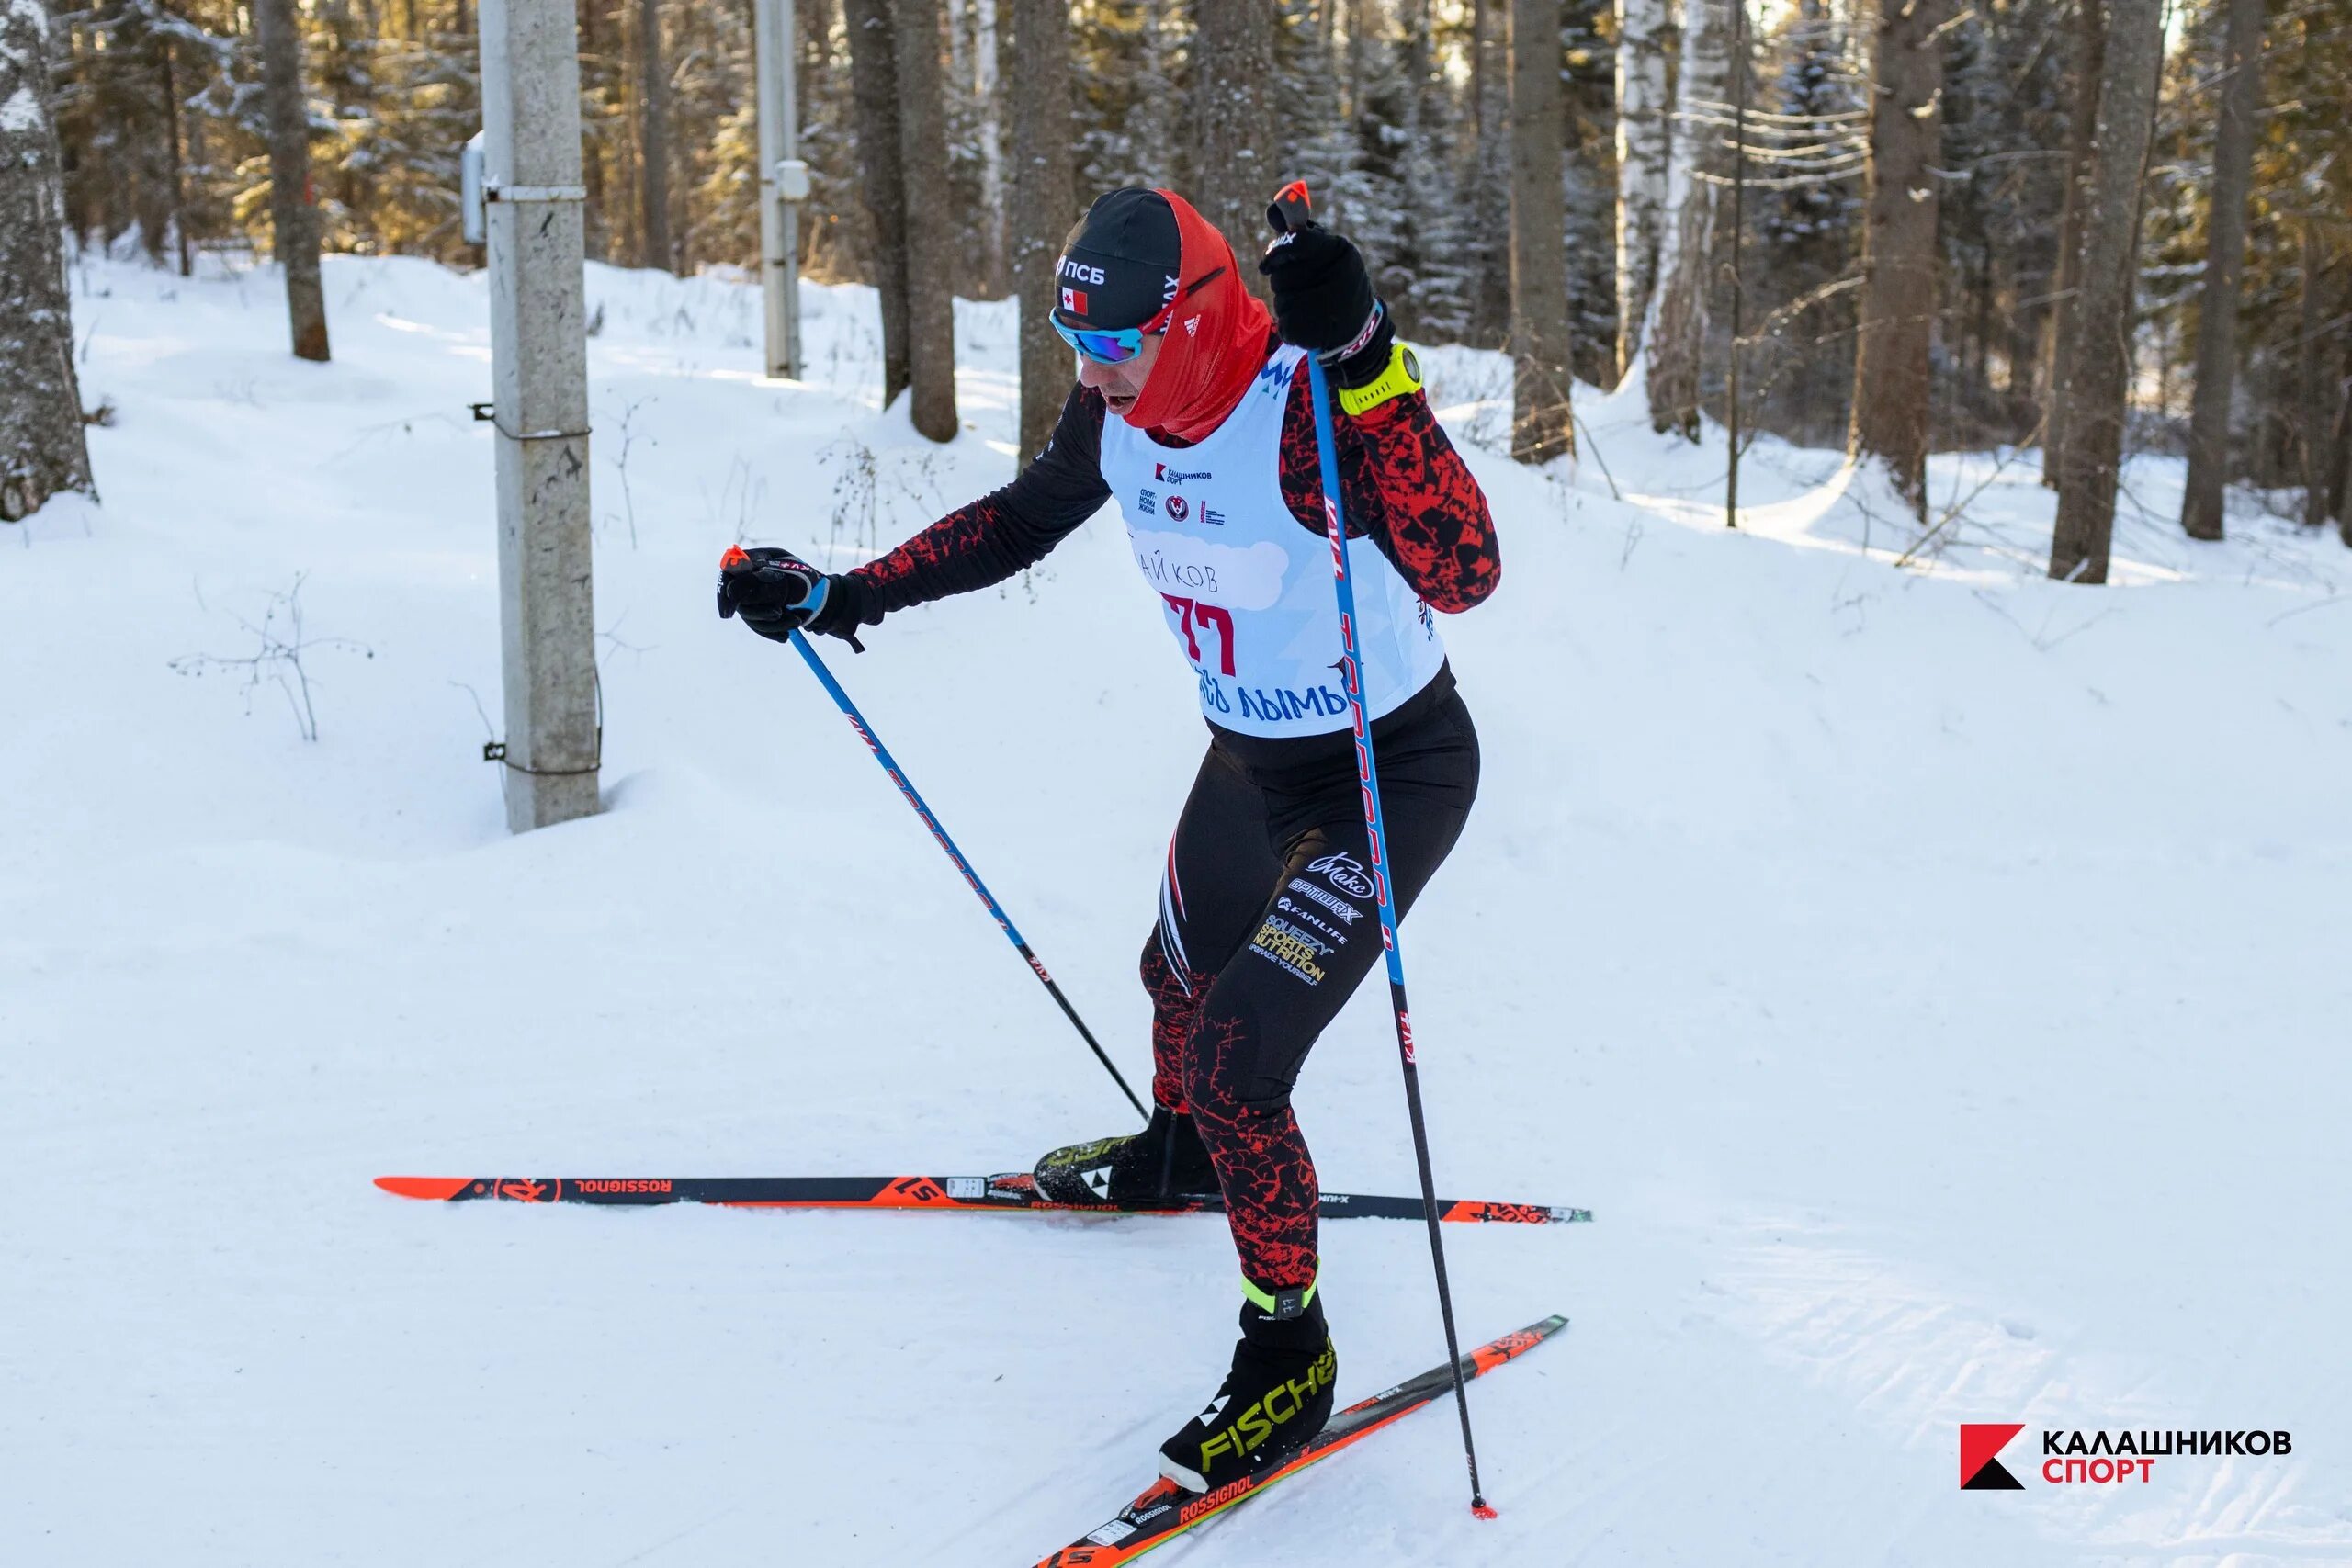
[1760, 209]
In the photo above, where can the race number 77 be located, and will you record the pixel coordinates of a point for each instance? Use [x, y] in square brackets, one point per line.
[1192, 616]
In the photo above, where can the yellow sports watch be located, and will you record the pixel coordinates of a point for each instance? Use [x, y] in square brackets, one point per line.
[1403, 375]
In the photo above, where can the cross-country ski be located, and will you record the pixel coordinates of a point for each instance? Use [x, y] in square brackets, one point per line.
[1166, 1510]
[1015, 1192]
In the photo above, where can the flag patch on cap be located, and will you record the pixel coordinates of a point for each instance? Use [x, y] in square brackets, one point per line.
[1074, 300]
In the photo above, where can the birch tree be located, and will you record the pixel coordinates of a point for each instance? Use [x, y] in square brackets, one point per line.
[1898, 309]
[1643, 146]
[984, 89]
[2099, 356]
[1677, 335]
[42, 448]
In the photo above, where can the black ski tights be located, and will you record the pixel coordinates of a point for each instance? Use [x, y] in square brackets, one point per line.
[1268, 919]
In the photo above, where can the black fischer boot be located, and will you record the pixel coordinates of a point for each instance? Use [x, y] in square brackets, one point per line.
[1165, 1160]
[1277, 1396]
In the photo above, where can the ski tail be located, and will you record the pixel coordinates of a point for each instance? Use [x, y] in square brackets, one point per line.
[1165, 1510]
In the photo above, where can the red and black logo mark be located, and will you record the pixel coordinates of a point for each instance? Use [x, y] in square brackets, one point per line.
[1981, 1469]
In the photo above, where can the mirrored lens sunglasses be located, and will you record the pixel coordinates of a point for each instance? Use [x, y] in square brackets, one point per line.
[1103, 348]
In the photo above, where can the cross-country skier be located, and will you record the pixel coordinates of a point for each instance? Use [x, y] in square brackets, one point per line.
[1192, 411]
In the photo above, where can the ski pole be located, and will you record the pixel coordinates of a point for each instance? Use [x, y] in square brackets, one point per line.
[1004, 922]
[1290, 210]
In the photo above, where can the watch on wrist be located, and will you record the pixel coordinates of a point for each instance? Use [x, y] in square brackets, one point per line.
[1402, 375]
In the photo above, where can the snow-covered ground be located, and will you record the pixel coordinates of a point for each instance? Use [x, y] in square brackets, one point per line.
[1935, 979]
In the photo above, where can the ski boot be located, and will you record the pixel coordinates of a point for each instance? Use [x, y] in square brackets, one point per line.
[1166, 1160]
[1276, 1398]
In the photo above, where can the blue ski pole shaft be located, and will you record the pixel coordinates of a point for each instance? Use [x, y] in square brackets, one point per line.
[1367, 773]
[1005, 923]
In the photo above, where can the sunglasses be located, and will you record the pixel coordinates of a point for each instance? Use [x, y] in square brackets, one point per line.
[1103, 348]
[1118, 347]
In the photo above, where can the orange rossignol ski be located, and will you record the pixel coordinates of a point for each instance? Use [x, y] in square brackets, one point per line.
[1166, 1510]
[1009, 1193]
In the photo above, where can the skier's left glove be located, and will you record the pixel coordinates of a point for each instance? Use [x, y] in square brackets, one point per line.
[778, 593]
[1324, 303]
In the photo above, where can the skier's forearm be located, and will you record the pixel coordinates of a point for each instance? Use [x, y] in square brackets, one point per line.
[1402, 482]
[1439, 532]
[973, 546]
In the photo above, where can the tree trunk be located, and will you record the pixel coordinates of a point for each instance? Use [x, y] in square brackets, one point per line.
[1044, 193]
[1644, 140]
[1677, 334]
[2312, 422]
[874, 86]
[2099, 357]
[653, 139]
[1490, 190]
[2340, 489]
[179, 162]
[294, 221]
[931, 230]
[1541, 426]
[42, 447]
[984, 89]
[2090, 71]
[1233, 124]
[2343, 461]
[2217, 311]
[1898, 306]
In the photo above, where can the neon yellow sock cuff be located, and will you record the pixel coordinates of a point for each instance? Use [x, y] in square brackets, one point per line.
[1284, 1303]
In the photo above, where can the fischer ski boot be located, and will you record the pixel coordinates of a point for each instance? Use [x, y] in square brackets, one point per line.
[1166, 1160]
[1273, 1402]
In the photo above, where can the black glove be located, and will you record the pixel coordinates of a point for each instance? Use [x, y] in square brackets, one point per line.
[1324, 303]
[774, 591]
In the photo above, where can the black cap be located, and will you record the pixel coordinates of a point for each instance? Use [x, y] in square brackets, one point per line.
[1118, 267]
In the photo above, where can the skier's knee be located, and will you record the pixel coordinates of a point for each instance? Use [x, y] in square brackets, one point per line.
[1226, 1078]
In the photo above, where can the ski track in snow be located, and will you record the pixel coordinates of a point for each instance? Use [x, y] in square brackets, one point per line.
[1932, 977]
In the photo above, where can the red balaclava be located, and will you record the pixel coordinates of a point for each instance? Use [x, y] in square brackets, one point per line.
[1216, 337]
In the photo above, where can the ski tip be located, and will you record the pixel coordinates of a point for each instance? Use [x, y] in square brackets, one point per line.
[433, 1188]
[1481, 1508]
[1512, 1346]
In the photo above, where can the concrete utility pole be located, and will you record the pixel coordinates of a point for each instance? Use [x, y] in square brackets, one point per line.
[538, 348]
[783, 185]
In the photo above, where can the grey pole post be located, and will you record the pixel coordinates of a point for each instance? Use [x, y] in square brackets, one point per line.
[784, 184]
[538, 348]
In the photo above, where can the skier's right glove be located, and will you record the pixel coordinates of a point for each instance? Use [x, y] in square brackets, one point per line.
[778, 593]
[1323, 298]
